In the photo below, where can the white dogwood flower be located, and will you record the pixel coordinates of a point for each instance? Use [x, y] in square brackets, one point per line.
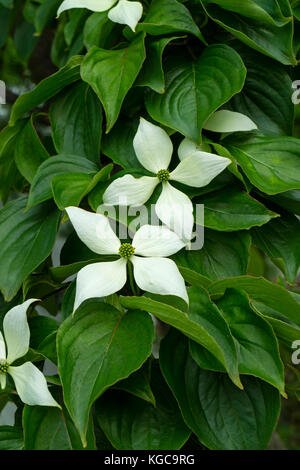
[152, 271]
[30, 383]
[154, 148]
[125, 12]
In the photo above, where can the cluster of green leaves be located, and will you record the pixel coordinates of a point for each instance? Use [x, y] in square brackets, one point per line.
[221, 367]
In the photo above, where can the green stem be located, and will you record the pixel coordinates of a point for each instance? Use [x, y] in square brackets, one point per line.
[131, 279]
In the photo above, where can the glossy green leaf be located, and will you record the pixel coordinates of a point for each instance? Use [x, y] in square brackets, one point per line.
[138, 384]
[279, 239]
[48, 428]
[169, 16]
[26, 240]
[272, 296]
[47, 88]
[69, 189]
[257, 347]
[206, 328]
[264, 26]
[213, 79]
[96, 349]
[222, 416]
[40, 190]
[132, 424]
[265, 80]
[233, 209]
[30, 153]
[152, 74]
[11, 438]
[222, 255]
[79, 107]
[271, 164]
[112, 73]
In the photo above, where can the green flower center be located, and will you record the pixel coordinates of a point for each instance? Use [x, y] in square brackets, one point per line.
[163, 175]
[3, 367]
[126, 250]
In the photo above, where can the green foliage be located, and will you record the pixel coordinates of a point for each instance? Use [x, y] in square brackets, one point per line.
[139, 368]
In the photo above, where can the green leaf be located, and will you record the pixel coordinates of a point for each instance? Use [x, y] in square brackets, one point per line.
[26, 240]
[8, 169]
[152, 74]
[289, 200]
[138, 384]
[43, 336]
[222, 416]
[69, 189]
[206, 328]
[44, 13]
[47, 88]
[96, 349]
[132, 424]
[111, 74]
[118, 144]
[279, 239]
[273, 296]
[257, 347]
[271, 164]
[213, 79]
[169, 16]
[29, 151]
[40, 190]
[76, 122]
[48, 428]
[222, 255]
[232, 209]
[11, 438]
[97, 30]
[264, 27]
[265, 79]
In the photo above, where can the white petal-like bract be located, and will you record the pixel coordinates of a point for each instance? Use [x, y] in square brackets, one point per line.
[94, 231]
[31, 385]
[126, 12]
[159, 276]
[153, 146]
[130, 191]
[229, 121]
[16, 331]
[154, 240]
[2, 348]
[175, 209]
[93, 5]
[199, 169]
[100, 280]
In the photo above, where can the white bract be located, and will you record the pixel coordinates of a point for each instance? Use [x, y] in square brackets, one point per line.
[125, 12]
[30, 383]
[152, 271]
[154, 148]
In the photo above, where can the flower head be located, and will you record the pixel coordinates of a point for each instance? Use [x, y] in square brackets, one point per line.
[150, 245]
[30, 383]
[154, 148]
[125, 12]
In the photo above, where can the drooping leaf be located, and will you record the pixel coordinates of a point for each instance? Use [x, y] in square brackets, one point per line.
[47, 88]
[222, 416]
[111, 73]
[132, 424]
[26, 240]
[76, 122]
[40, 189]
[212, 333]
[30, 153]
[279, 239]
[96, 349]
